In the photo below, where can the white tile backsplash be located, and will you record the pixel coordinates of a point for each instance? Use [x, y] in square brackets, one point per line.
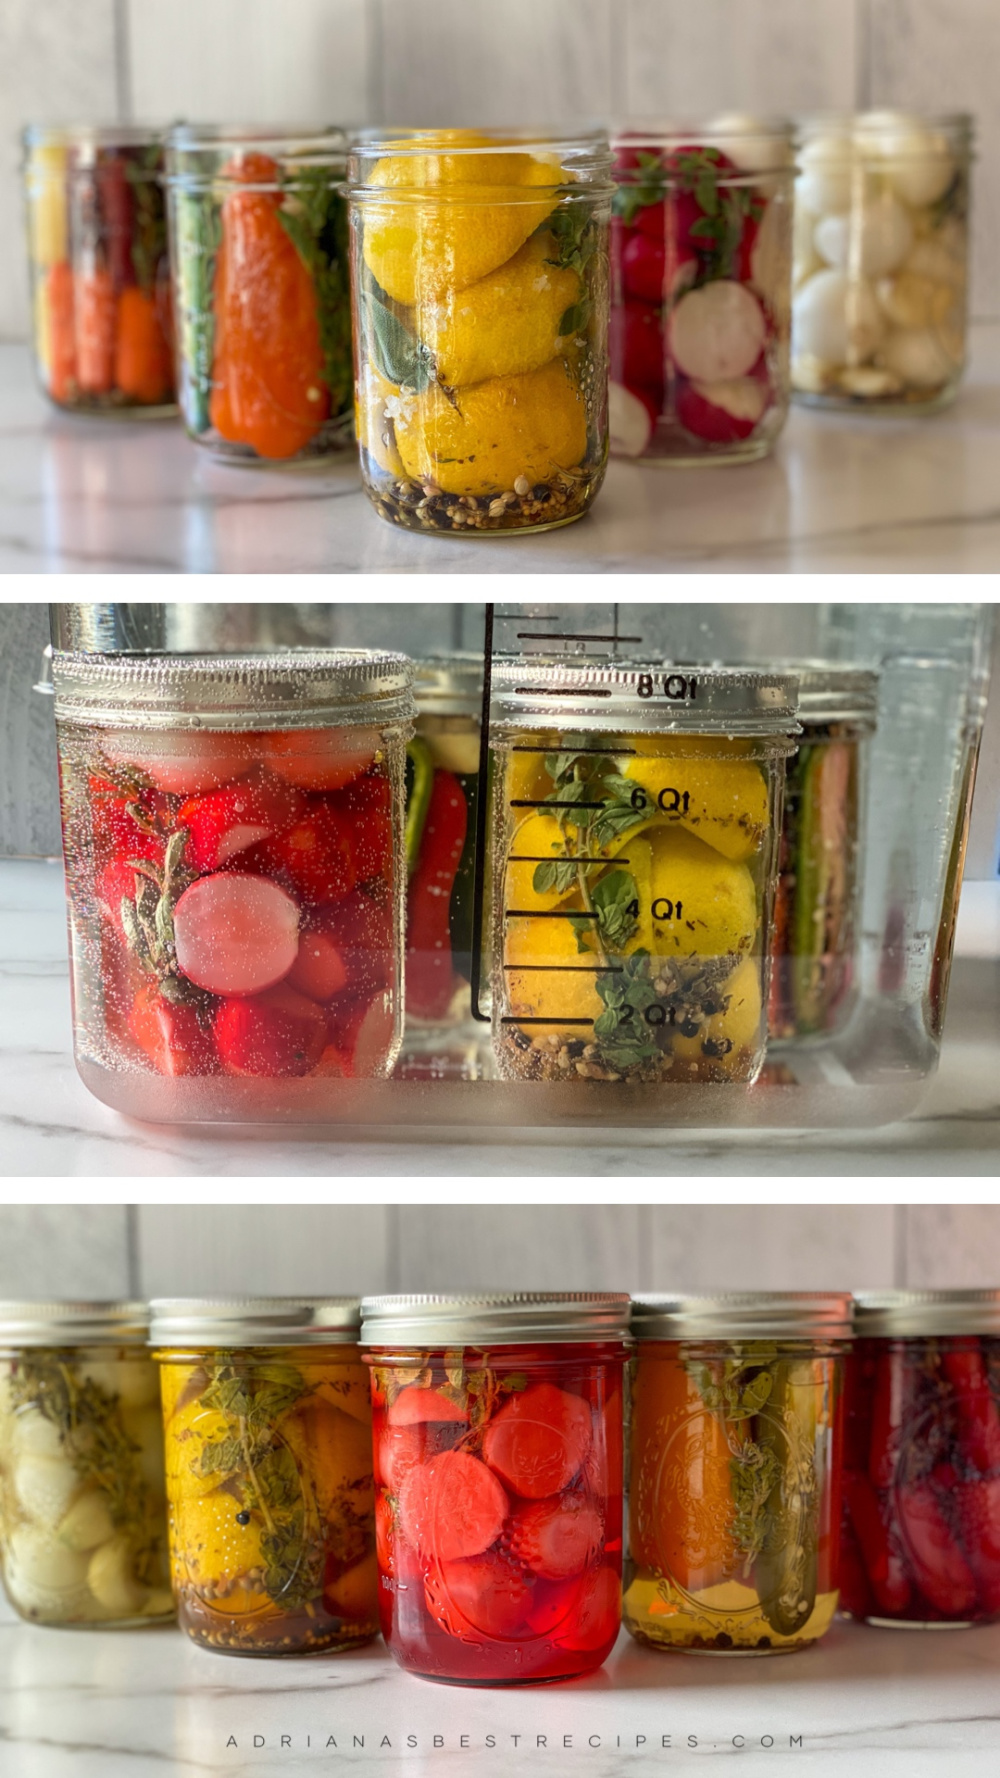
[273, 1249]
[689, 60]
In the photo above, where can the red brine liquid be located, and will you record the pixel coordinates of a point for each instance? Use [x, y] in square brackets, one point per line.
[499, 1512]
[242, 889]
[921, 1518]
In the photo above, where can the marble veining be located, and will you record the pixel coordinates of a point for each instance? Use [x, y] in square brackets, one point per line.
[865, 1703]
[843, 493]
[50, 1124]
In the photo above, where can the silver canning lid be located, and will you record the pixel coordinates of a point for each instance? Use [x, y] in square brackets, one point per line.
[653, 699]
[254, 1321]
[912, 1313]
[293, 689]
[828, 693]
[73, 1324]
[88, 138]
[500, 1318]
[449, 684]
[744, 1315]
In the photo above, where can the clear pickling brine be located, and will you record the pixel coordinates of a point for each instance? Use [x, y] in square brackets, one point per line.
[233, 835]
[635, 823]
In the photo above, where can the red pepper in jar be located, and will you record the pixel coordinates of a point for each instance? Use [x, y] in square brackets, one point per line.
[886, 1572]
[978, 1416]
[977, 1509]
[939, 1566]
[430, 976]
[855, 1593]
[888, 1412]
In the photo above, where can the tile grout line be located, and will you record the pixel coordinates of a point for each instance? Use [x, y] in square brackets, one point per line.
[132, 1255]
[123, 59]
[899, 1242]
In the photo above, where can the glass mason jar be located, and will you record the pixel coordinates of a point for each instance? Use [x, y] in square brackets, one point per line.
[735, 1460]
[83, 1525]
[233, 831]
[100, 283]
[635, 825]
[881, 260]
[258, 241]
[480, 292]
[921, 1521]
[267, 1421]
[701, 250]
[814, 972]
[442, 783]
[498, 1472]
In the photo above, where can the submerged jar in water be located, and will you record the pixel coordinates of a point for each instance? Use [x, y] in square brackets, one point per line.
[97, 245]
[921, 1521]
[879, 315]
[232, 827]
[480, 292]
[735, 1455]
[701, 290]
[83, 1525]
[635, 822]
[498, 1471]
[814, 971]
[267, 1421]
[258, 236]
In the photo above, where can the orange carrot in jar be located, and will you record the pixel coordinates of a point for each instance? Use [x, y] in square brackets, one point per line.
[681, 1505]
[142, 356]
[62, 331]
[268, 388]
[95, 332]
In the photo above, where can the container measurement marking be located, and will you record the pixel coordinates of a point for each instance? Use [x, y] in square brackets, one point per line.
[567, 968]
[568, 636]
[524, 858]
[543, 803]
[601, 752]
[547, 914]
[553, 1021]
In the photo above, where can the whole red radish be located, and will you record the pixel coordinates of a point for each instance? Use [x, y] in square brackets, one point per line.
[171, 1036]
[316, 853]
[222, 823]
[637, 349]
[632, 416]
[272, 1035]
[320, 759]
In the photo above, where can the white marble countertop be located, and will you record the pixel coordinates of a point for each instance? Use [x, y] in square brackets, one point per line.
[50, 1124]
[864, 1703]
[843, 492]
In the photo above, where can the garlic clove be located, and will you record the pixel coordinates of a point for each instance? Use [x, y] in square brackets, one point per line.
[87, 1523]
[45, 1488]
[112, 1581]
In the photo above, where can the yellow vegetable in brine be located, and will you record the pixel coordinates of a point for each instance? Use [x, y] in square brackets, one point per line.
[506, 323]
[495, 434]
[722, 801]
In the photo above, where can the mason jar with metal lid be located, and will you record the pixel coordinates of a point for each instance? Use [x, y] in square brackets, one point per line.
[814, 972]
[233, 831]
[258, 243]
[498, 1472]
[879, 315]
[442, 784]
[480, 296]
[100, 281]
[635, 823]
[920, 1543]
[83, 1527]
[735, 1455]
[267, 1422]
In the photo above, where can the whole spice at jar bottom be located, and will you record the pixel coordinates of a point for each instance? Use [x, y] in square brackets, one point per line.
[422, 506]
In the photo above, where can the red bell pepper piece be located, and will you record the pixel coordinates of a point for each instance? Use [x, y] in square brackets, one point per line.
[888, 1410]
[978, 1416]
[886, 1573]
[430, 976]
[939, 1566]
[977, 1505]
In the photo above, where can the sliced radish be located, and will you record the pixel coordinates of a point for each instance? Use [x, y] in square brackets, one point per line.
[272, 1035]
[182, 764]
[723, 412]
[319, 970]
[717, 332]
[631, 418]
[373, 1044]
[235, 934]
[223, 823]
[320, 759]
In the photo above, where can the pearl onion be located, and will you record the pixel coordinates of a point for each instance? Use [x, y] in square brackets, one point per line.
[920, 167]
[736, 133]
[917, 355]
[829, 169]
[836, 319]
[134, 1381]
[874, 239]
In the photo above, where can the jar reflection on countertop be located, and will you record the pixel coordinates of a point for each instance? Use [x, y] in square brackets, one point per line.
[97, 246]
[267, 1422]
[879, 314]
[232, 828]
[480, 301]
[920, 1540]
[498, 1468]
[258, 241]
[814, 969]
[734, 1459]
[635, 823]
[83, 1530]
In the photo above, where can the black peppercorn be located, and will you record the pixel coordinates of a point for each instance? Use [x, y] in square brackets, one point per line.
[243, 1518]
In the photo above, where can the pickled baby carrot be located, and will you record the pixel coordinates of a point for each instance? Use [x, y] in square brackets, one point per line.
[62, 330]
[680, 1526]
[95, 310]
[142, 356]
